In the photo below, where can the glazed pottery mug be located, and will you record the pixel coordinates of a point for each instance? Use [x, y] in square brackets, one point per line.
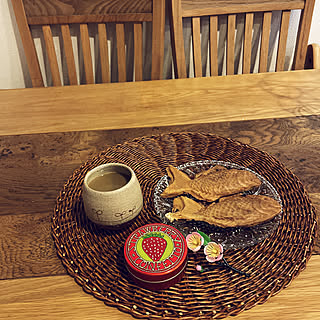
[111, 194]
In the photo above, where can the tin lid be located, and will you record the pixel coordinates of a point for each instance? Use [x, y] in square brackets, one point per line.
[155, 252]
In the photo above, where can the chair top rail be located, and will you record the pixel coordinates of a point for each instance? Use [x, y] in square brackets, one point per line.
[191, 8]
[40, 12]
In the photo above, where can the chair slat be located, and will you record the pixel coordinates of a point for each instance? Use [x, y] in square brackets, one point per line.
[214, 45]
[121, 50]
[158, 32]
[247, 44]
[28, 44]
[138, 51]
[196, 44]
[47, 34]
[265, 41]
[104, 54]
[283, 40]
[303, 35]
[68, 51]
[85, 41]
[230, 43]
[178, 54]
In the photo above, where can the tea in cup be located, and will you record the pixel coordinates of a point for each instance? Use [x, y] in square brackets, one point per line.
[112, 194]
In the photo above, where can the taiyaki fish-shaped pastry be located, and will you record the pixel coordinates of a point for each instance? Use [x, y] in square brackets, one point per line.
[232, 211]
[211, 184]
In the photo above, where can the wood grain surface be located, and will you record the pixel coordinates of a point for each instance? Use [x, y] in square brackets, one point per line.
[68, 51]
[33, 169]
[213, 45]
[52, 57]
[160, 103]
[92, 11]
[42, 142]
[285, 18]
[247, 42]
[265, 36]
[196, 46]
[158, 35]
[208, 7]
[177, 43]
[89, 18]
[60, 297]
[85, 7]
[230, 43]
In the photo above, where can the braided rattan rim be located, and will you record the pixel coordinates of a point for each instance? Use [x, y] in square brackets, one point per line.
[93, 257]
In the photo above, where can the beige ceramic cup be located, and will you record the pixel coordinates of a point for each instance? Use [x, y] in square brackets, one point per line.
[115, 207]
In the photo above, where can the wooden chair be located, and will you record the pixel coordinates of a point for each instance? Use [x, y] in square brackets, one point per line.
[102, 13]
[196, 9]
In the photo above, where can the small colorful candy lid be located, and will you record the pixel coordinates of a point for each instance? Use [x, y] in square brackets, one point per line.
[156, 255]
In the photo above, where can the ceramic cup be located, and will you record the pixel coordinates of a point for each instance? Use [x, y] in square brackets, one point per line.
[111, 205]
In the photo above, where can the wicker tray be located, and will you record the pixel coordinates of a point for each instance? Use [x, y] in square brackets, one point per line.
[94, 256]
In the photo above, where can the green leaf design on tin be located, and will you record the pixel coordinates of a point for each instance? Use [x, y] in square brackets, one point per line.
[169, 249]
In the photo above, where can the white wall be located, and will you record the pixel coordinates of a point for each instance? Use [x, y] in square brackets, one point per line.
[315, 27]
[11, 75]
[12, 61]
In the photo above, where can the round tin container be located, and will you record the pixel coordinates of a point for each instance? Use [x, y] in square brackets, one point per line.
[156, 256]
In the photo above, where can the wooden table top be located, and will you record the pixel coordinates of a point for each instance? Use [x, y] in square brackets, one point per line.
[47, 133]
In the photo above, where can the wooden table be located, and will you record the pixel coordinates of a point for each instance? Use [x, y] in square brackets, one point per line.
[45, 134]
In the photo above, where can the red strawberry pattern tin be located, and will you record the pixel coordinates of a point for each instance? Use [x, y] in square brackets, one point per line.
[156, 256]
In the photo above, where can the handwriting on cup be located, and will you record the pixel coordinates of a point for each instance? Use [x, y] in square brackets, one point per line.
[118, 215]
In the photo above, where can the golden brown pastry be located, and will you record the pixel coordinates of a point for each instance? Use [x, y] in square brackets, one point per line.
[210, 185]
[233, 211]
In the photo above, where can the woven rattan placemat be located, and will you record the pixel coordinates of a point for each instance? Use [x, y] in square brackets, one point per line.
[94, 256]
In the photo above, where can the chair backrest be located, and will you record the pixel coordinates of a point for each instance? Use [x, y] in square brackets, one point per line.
[214, 9]
[70, 15]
